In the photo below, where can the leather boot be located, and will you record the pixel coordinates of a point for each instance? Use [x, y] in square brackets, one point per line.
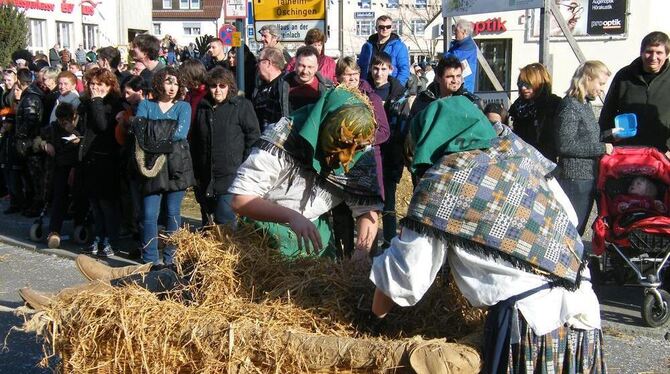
[41, 300]
[35, 299]
[94, 270]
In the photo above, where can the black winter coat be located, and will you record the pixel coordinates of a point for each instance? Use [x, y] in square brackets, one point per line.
[536, 126]
[30, 112]
[98, 150]
[221, 139]
[630, 93]
[392, 150]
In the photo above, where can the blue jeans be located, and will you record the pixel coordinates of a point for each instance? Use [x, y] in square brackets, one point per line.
[224, 214]
[152, 205]
[219, 206]
[581, 193]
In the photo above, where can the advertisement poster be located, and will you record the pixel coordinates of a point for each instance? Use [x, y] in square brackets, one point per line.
[586, 18]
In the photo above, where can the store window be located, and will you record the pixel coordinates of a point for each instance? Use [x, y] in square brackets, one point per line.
[157, 29]
[90, 36]
[397, 26]
[37, 35]
[418, 25]
[393, 4]
[167, 4]
[498, 54]
[191, 29]
[365, 27]
[64, 34]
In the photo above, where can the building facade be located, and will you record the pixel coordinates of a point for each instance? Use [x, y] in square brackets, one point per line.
[87, 22]
[606, 30]
[185, 20]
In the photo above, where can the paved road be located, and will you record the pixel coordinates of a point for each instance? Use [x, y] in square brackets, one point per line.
[630, 347]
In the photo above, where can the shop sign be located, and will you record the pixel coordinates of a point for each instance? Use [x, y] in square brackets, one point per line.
[606, 17]
[27, 4]
[88, 7]
[491, 25]
[359, 15]
[587, 18]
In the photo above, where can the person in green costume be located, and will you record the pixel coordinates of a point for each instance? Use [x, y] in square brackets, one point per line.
[487, 205]
[306, 164]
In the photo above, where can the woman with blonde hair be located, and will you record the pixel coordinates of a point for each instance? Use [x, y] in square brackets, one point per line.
[532, 113]
[577, 137]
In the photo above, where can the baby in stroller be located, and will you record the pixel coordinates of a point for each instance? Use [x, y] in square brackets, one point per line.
[631, 235]
[642, 195]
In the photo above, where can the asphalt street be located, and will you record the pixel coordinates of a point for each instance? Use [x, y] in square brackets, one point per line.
[630, 347]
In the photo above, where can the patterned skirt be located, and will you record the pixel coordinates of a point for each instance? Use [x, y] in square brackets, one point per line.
[564, 350]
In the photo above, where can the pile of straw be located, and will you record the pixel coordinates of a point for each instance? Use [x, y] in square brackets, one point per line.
[250, 310]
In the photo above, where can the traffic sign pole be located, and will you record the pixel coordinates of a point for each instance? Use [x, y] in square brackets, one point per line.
[239, 24]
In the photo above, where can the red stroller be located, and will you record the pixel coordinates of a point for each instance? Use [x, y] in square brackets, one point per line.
[631, 234]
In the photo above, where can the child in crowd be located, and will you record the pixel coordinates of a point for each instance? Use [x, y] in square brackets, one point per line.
[642, 195]
[62, 144]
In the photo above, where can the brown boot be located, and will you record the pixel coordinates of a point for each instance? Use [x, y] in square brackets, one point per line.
[35, 299]
[41, 300]
[94, 270]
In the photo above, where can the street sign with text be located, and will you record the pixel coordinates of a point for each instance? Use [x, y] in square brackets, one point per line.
[288, 10]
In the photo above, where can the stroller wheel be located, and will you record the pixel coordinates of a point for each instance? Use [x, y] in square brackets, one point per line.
[82, 234]
[36, 232]
[653, 313]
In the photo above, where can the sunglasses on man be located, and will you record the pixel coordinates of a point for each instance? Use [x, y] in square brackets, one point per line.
[384, 27]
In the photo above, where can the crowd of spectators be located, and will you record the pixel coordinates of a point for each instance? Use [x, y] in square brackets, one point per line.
[67, 120]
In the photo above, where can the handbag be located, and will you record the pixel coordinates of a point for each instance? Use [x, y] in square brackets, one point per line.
[153, 140]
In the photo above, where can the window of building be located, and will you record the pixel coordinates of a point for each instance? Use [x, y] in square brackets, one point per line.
[418, 25]
[37, 34]
[167, 4]
[397, 26]
[64, 34]
[393, 4]
[365, 27]
[191, 28]
[184, 4]
[498, 54]
[421, 3]
[195, 4]
[90, 35]
[365, 4]
[157, 29]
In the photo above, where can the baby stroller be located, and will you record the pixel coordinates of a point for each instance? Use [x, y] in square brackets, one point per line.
[631, 235]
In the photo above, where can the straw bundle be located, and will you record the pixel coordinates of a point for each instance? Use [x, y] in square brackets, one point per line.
[250, 310]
